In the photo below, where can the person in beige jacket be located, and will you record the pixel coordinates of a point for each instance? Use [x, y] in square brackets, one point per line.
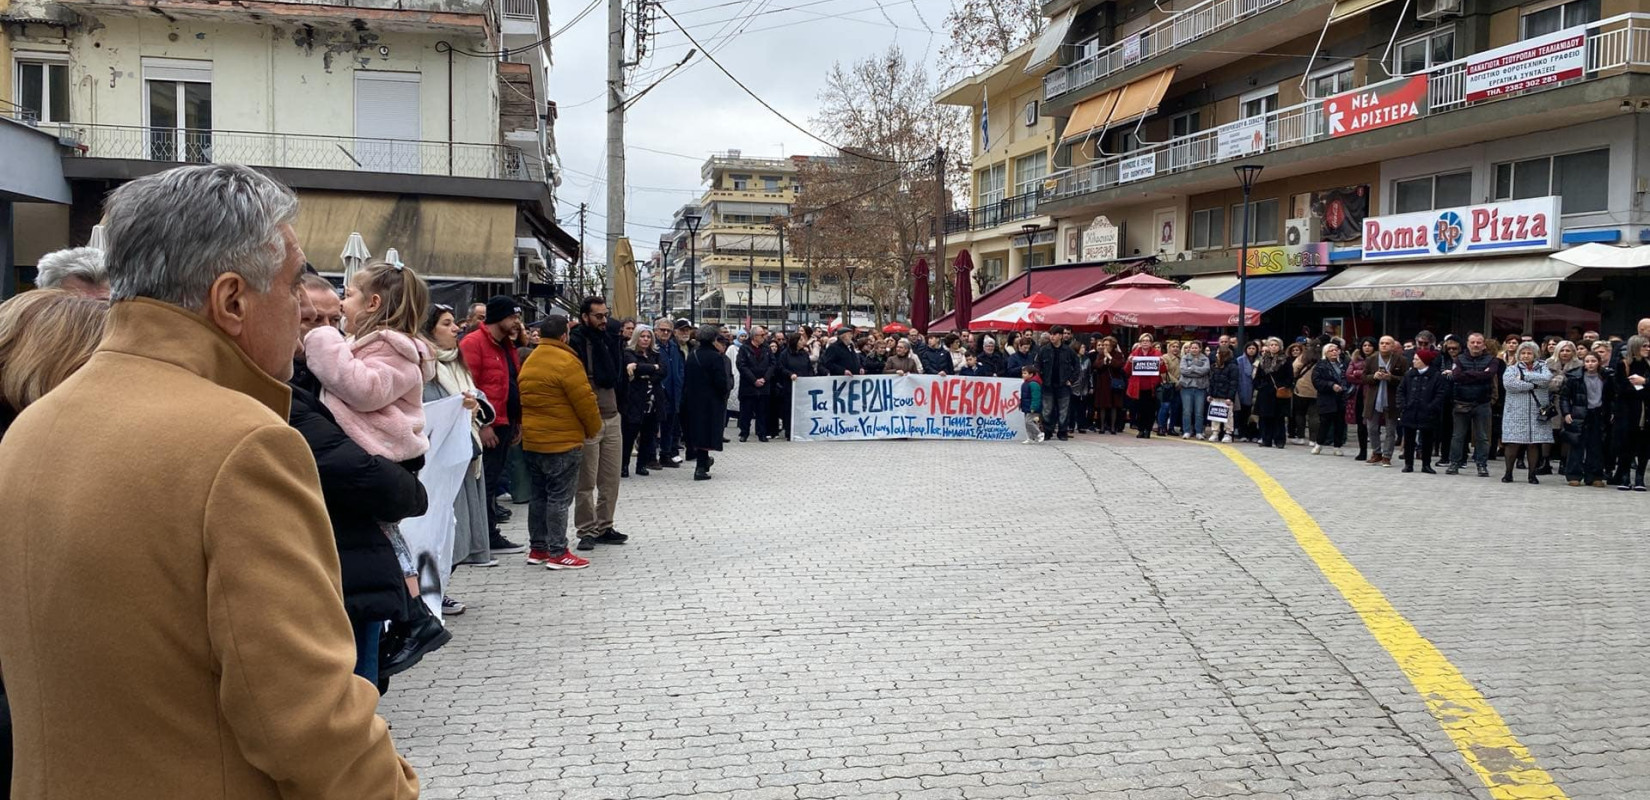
[171, 620]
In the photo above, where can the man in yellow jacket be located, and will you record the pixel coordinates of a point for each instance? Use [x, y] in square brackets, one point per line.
[558, 413]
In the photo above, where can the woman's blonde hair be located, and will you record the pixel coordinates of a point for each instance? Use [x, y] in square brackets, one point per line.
[403, 298]
[45, 336]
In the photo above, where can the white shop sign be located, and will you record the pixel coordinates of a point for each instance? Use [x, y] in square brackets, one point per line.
[1242, 138]
[1512, 226]
[1137, 168]
[1529, 64]
[1100, 240]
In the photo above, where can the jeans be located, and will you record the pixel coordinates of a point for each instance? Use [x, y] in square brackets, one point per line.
[640, 436]
[1383, 434]
[598, 493]
[367, 637]
[555, 476]
[1192, 405]
[1332, 429]
[1477, 422]
[753, 407]
[1168, 412]
[1056, 407]
[1080, 414]
[494, 461]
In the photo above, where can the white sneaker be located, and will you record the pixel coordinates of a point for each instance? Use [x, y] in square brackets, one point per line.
[1226, 439]
[1042, 436]
[1187, 435]
[1316, 449]
[676, 459]
[1028, 440]
[1338, 452]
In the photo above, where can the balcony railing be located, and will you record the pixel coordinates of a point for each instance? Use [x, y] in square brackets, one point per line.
[1619, 43]
[297, 151]
[1178, 31]
[990, 215]
[521, 9]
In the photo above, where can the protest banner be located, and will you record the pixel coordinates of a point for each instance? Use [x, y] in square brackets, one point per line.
[1220, 411]
[906, 407]
[430, 537]
[1144, 366]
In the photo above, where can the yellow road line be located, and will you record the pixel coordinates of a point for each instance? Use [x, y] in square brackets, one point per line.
[1502, 763]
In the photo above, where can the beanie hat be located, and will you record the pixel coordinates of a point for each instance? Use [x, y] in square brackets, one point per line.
[1427, 356]
[501, 308]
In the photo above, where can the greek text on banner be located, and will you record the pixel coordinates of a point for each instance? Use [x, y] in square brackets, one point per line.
[906, 407]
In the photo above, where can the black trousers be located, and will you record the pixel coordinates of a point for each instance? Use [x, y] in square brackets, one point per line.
[1145, 412]
[494, 463]
[1422, 436]
[753, 407]
[643, 435]
[779, 411]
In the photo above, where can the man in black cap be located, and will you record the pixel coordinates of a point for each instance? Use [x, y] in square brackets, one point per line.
[491, 357]
[673, 343]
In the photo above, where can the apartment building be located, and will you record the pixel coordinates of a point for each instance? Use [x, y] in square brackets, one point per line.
[1396, 144]
[397, 120]
[748, 270]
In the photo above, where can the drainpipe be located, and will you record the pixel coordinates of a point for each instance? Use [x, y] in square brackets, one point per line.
[449, 111]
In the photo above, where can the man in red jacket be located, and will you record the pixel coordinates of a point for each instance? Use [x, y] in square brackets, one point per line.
[491, 357]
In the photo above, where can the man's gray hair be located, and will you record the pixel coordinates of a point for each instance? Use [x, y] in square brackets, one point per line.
[85, 263]
[172, 234]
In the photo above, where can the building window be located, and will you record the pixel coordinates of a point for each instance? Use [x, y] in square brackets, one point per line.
[1185, 124]
[830, 279]
[1330, 82]
[1258, 103]
[740, 182]
[43, 88]
[770, 183]
[739, 276]
[1208, 228]
[768, 276]
[178, 109]
[991, 183]
[1542, 19]
[1029, 172]
[1086, 49]
[1121, 140]
[1432, 192]
[799, 278]
[387, 121]
[1582, 179]
[991, 272]
[1265, 227]
[1425, 51]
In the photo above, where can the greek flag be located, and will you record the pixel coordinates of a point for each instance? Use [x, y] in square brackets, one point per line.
[985, 120]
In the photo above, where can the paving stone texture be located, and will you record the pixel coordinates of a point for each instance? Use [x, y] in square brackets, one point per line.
[1100, 618]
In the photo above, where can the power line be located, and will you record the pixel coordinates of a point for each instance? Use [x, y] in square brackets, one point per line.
[443, 46]
[775, 111]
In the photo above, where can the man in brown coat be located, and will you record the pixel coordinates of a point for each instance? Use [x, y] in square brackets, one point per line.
[1383, 372]
[171, 621]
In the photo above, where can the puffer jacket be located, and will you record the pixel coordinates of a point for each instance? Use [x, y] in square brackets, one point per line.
[1224, 381]
[492, 367]
[558, 407]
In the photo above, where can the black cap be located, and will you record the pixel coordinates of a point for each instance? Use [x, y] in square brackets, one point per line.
[501, 308]
[683, 324]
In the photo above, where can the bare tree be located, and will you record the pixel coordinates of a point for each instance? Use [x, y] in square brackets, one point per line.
[984, 32]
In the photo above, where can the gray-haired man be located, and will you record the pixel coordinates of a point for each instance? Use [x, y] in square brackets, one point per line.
[78, 269]
[214, 647]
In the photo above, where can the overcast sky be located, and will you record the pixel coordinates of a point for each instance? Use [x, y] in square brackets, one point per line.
[783, 53]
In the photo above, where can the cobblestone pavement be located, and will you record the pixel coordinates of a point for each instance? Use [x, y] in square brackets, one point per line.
[1101, 618]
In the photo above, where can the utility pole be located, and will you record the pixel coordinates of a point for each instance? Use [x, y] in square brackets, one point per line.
[750, 289]
[584, 210]
[940, 213]
[615, 129]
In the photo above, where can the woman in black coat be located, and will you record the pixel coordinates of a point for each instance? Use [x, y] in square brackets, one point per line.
[1422, 397]
[705, 388]
[1273, 371]
[792, 364]
[639, 421]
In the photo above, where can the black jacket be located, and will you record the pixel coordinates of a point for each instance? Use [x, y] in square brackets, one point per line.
[1325, 379]
[1223, 381]
[754, 361]
[1572, 399]
[870, 363]
[1632, 406]
[603, 357]
[994, 365]
[361, 491]
[644, 396]
[705, 388]
[934, 359]
[1057, 366]
[791, 362]
[1472, 378]
[1422, 397]
[839, 359]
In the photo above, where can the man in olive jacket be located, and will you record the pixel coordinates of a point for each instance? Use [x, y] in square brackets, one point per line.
[176, 628]
[558, 415]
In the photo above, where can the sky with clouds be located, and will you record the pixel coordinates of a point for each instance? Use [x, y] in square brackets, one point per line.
[781, 49]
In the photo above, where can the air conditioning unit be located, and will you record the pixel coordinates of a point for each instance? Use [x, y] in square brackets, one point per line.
[1437, 9]
[1301, 232]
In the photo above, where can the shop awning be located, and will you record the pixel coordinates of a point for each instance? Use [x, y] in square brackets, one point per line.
[1497, 279]
[1603, 256]
[1061, 283]
[1118, 106]
[441, 238]
[1265, 294]
[1210, 285]
[1347, 9]
[1049, 41]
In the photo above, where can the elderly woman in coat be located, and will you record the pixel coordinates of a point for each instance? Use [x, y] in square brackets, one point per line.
[1524, 423]
[705, 400]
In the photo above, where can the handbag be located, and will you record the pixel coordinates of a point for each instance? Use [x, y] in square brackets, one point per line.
[1284, 393]
[1119, 384]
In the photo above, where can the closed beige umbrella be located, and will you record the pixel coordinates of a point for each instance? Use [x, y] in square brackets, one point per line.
[623, 301]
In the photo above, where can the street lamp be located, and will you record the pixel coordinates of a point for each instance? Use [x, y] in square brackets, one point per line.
[1246, 174]
[692, 220]
[1030, 229]
[750, 287]
[665, 243]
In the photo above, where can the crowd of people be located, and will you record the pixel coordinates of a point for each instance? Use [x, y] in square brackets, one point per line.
[244, 442]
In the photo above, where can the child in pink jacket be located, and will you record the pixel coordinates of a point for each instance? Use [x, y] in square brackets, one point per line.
[373, 382]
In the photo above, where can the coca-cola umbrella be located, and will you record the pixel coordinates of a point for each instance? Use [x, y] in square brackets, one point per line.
[919, 296]
[895, 327]
[1141, 301]
[963, 298]
[1015, 316]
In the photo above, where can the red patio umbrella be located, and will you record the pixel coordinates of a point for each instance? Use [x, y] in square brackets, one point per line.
[895, 327]
[1141, 301]
[919, 296]
[1013, 317]
[963, 297]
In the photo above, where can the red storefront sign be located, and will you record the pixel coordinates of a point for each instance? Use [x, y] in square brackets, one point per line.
[1376, 106]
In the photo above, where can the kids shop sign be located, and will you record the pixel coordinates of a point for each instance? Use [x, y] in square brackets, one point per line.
[1513, 226]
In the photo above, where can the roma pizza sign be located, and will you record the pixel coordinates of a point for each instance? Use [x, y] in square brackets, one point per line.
[1513, 226]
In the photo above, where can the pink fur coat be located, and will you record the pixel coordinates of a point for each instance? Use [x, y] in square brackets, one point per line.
[374, 385]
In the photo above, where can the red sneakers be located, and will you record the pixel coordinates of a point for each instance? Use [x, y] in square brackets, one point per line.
[537, 556]
[566, 561]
